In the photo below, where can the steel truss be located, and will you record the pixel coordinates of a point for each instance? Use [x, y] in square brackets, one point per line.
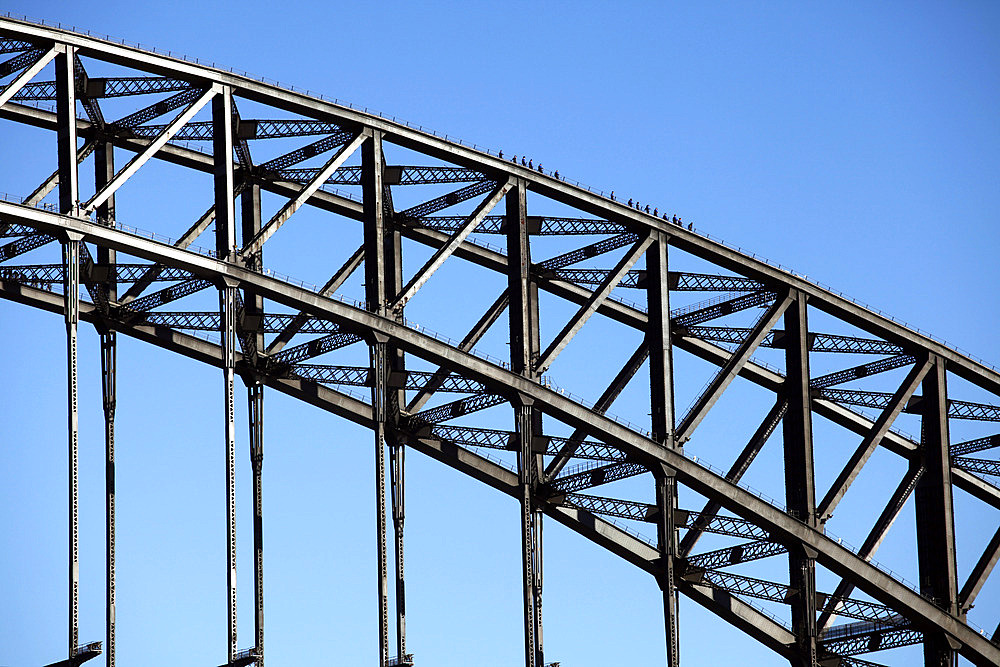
[540, 477]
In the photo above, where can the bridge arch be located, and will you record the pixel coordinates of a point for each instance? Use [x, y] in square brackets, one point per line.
[503, 197]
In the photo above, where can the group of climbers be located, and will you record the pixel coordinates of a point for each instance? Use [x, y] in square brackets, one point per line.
[655, 212]
[531, 165]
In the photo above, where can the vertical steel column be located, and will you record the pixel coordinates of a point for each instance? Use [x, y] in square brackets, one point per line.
[396, 482]
[935, 514]
[69, 178]
[68, 203]
[225, 248]
[661, 393]
[104, 171]
[255, 402]
[253, 316]
[524, 349]
[373, 203]
[71, 285]
[800, 491]
[393, 243]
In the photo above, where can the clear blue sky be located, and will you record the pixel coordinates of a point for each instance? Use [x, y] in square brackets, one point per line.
[858, 144]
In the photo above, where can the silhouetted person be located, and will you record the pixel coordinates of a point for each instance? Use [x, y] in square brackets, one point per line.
[500, 155]
[675, 219]
[691, 226]
[540, 168]
[530, 165]
[656, 212]
[630, 202]
[523, 162]
[647, 208]
[514, 159]
[612, 195]
[556, 174]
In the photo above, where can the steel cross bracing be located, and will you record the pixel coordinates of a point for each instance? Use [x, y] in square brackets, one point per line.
[599, 450]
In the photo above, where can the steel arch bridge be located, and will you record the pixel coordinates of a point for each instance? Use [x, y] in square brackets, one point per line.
[757, 326]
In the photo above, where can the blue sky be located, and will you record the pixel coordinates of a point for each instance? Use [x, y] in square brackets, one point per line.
[858, 144]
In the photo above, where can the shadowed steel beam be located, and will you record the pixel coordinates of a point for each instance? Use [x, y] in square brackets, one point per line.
[304, 194]
[732, 368]
[592, 304]
[980, 573]
[445, 251]
[331, 286]
[156, 144]
[935, 513]
[612, 392]
[740, 466]
[26, 76]
[867, 447]
[475, 334]
[800, 490]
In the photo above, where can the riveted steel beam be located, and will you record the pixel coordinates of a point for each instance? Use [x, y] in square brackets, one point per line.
[935, 513]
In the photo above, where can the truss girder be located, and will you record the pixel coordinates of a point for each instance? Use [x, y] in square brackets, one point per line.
[982, 466]
[54, 273]
[586, 252]
[361, 377]
[880, 400]
[540, 225]
[819, 342]
[977, 445]
[678, 282]
[588, 475]
[741, 553]
[459, 408]
[314, 348]
[165, 296]
[777, 592]
[405, 175]
[305, 152]
[108, 87]
[506, 440]
[720, 308]
[445, 201]
[875, 640]
[632, 444]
